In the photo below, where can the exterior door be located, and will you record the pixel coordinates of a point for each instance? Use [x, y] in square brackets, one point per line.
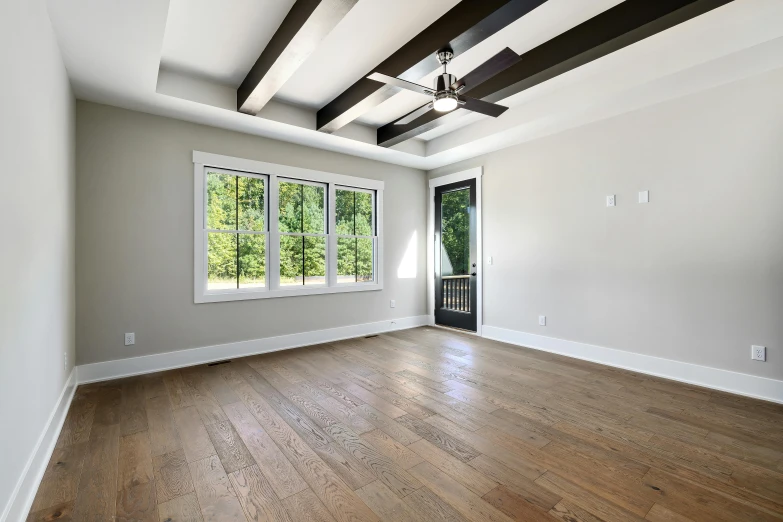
[455, 255]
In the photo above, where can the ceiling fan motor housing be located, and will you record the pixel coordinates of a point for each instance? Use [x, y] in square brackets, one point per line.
[443, 82]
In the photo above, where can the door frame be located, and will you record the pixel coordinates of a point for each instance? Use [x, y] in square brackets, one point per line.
[474, 173]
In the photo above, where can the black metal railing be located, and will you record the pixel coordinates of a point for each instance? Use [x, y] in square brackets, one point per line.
[456, 293]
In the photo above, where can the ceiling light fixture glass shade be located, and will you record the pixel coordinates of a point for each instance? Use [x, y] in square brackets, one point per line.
[445, 102]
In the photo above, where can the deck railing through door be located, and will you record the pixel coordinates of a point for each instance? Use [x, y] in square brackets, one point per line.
[456, 293]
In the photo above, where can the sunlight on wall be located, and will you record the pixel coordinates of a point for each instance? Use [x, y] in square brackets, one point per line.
[407, 268]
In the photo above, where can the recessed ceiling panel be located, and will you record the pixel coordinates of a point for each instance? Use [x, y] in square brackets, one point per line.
[219, 41]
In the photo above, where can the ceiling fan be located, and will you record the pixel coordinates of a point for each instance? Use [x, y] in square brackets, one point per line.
[446, 91]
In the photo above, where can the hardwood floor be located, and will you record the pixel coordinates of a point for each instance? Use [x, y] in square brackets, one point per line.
[422, 424]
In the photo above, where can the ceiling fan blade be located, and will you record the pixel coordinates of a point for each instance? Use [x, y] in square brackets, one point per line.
[501, 61]
[415, 114]
[482, 107]
[396, 82]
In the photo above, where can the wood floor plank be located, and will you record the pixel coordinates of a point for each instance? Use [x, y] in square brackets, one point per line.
[258, 499]
[60, 513]
[133, 407]
[280, 472]
[567, 512]
[208, 407]
[228, 444]
[399, 454]
[137, 503]
[178, 392]
[78, 421]
[352, 470]
[98, 483]
[193, 434]
[306, 506]
[386, 504]
[164, 437]
[516, 507]
[593, 503]
[172, 475]
[384, 468]
[154, 386]
[449, 444]
[392, 427]
[431, 507]
[61, 479]
[515, 482]
[135, 460]
[469, 477]
[658, 513]
[471, 506]
[214, 492]
[180, 509]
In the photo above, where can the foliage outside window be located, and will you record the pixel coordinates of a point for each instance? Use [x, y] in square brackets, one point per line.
[264, 234]
[354, 223]
[302, 226]
[236, 228]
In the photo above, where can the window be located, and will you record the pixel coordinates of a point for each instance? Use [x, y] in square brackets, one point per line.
[265, 230]
[354, 210]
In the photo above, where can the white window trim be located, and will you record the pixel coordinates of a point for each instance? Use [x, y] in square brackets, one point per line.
[272, 171]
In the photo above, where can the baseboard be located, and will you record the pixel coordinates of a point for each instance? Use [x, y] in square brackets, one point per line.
[103, 371]
[717, 379]
[24, 493]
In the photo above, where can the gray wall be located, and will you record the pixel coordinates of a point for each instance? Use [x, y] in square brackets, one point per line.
[135, 239]
[37, 212]
[696, 275]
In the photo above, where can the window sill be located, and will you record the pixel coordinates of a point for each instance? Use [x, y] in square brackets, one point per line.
[245, 295]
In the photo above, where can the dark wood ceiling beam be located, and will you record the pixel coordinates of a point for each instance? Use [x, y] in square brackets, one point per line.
[304, 27]
[464, 26]
[614, 29]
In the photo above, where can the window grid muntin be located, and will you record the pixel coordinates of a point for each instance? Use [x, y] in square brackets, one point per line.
[373, 237]
[237, 232]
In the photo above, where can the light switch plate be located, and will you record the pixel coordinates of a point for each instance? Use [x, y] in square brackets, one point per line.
[542, 320]
[644, 196]
[610, 201]
[392, 303]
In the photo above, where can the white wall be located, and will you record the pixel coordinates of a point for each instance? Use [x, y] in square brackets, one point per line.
[37, 213]
[135, 239]
[696, 275]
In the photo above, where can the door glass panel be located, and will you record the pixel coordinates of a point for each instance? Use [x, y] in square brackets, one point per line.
[455, 233]
[455, 250]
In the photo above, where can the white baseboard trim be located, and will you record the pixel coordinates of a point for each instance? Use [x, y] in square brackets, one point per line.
[24, 493]
[717, 379]
[103, 371]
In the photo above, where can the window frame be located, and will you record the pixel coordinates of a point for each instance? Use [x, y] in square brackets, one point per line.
[204, 161]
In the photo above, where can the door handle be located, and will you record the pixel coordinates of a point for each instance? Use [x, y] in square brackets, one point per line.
[473, 274]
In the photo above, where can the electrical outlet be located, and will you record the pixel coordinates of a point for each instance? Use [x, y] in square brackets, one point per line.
[490, 260]
[130, 338]
[392, 304]
[611, 201]
[758, 353]
[65, 361]
[542, 320]
[644, 196]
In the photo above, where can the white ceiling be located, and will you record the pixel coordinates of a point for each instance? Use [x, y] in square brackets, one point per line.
[219, 40]
[116, 52]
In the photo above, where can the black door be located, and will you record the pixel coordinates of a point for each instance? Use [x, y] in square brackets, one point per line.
[455, 255]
